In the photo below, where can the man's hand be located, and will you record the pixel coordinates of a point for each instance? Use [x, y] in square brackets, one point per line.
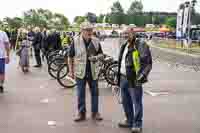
[7, 60]
[93, 58]
[141, 79]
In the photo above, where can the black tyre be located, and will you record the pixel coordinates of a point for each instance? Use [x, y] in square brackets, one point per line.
[111, 74]
[54, 66]
[64, 80]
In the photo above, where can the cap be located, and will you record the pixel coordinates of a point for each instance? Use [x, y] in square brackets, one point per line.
[86, 25]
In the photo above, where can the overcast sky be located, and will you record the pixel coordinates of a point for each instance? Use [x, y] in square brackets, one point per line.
[72, 8]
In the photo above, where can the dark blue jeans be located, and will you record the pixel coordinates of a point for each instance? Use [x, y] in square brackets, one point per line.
[81, 86]
[132, 103]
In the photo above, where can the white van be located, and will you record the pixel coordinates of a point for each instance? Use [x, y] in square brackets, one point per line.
[150, 26]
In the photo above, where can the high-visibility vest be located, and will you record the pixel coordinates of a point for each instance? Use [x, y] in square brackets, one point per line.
[136, 61]
[64, 41]
[81, 58]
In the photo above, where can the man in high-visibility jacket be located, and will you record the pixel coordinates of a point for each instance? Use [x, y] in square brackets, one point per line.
[135, 63]
[65, 40]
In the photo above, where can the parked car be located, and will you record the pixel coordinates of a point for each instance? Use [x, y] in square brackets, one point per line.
[159, 34]
[114, 34]
[171, 35]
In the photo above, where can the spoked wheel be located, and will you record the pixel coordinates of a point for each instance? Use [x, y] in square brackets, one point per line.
[54, 66]
[111, 74]
[53, 57]
[101, 76]
[63, 79]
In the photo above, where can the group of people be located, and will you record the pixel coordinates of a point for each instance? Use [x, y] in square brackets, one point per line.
[24, 41]
[135, 64]
[41, 42]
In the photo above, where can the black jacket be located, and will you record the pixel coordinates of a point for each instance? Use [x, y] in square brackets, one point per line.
[145, 58]
[37, 41]
[54, 41]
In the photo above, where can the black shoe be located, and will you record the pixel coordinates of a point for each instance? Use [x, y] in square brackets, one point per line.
[1, 89]
[124, 124]
[37, 66]
[80, 117]
[136, 130]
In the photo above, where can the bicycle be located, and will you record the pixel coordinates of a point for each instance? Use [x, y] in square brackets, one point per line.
[105, 72]
[56, 62]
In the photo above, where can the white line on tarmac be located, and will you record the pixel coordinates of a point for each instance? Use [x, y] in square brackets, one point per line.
[154, 94]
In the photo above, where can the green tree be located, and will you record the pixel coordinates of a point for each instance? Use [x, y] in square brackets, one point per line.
[136, 7]
[100, 18]
[60, 22]
[159, 18]
[117, 13]
[34, 18]
[45, 19]
[79, 19]
[14, 23]
[196, 18]
[117, 8]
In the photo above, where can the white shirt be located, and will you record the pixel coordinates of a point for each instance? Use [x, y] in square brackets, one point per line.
[123, 65]
[3, 39]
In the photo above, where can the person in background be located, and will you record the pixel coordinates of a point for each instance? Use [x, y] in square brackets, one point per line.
[37, 42]
[13, 39]
[65, 39]
[31, 36]
[4, 57]
[24, 53]
[19, 38]
[7, 32]
[54, 40]
[44, 44]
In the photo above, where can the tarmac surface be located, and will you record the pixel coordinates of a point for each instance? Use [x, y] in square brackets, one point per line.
[35, 103]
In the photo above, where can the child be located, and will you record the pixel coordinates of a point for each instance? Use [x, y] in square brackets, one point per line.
[24, 54]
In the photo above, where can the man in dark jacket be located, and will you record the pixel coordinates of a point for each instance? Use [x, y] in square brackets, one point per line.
[54, 41]
[37, 47]
[135, 63]
[13, 39]
[44, 45]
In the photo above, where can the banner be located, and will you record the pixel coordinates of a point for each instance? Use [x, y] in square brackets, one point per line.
[179, 24]
[185, 20]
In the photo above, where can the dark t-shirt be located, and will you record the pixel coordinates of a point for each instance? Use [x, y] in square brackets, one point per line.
[130, 68]
[88, 66]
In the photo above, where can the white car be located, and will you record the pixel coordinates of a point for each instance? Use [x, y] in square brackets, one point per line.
[132, 26]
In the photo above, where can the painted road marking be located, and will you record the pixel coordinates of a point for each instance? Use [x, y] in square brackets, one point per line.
[154, 94]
